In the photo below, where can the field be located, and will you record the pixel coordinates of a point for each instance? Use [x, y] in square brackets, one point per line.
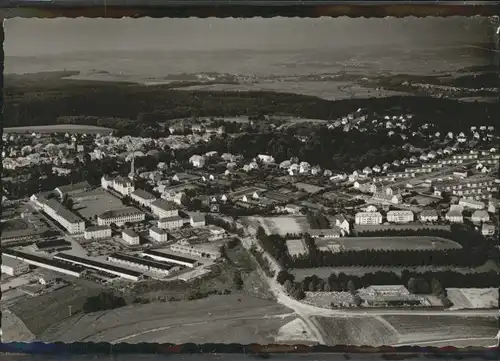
[391, 243]
[98, 202]
[296, 247]
[409, 329]
[229, 319]
[430, 329]
[309, 188]
[473, 297]
[60, 128]
[282, 225]
[13, 329]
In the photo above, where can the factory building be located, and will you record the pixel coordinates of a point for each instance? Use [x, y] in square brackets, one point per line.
[196, 251]
[13, 267]
[121, 216]
[143, 264]
[100, 266]
[97, 232]
[50, 264]
[170, 258]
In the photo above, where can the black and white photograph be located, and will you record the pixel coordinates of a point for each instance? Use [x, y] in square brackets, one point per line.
[327, 181]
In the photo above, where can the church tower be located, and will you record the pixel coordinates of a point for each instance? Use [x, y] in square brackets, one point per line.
[131, 175]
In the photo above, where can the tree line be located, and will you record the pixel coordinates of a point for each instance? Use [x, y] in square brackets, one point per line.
[317, 220]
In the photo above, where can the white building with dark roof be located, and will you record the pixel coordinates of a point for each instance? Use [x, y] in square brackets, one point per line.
[66, 218]
[173, 222]
[400, 216]
[142, 197]
[97, 232]
[372, 218]
[120, 216]
[130, 237]
[158, 234]
[197, 220]
[164, 209]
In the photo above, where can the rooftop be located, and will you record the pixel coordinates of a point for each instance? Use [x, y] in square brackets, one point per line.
[157, 230]
[170, 219]
[63, 211]
[96, 228]
[116, 213]
[141, 193]
[74, 187]
[130, 233]
[164, 205]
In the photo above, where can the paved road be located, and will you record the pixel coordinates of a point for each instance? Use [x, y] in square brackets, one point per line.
[308, 312]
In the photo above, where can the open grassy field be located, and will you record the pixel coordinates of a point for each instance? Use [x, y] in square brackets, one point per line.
[282, 225]
[59, 128]
[391, 243]
[39, 313]
[409, 329]
[235, 318]
[473, 297]
[98, 201]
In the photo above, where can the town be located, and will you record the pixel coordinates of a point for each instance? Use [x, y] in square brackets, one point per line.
[118, 210]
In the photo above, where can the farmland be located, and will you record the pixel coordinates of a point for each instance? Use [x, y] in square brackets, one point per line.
[409, 329]
[473, 297]
[391, 243]
[237, 318]
[61, 128]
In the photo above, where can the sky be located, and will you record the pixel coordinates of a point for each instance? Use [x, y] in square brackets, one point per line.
[32, 37]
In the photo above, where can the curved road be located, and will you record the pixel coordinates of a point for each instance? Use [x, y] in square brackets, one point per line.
[308, 312]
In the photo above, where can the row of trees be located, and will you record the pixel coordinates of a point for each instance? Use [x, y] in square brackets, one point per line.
[434, 282]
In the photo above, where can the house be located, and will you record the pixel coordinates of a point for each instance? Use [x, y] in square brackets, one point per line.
[429, 215]
[377, 169]
[158, 234]
[469, 203]
[197, 161]
[480, 216]
[342, 223]
[142, 197]
[197, 220]
[372, 218]
[267, 159]
[173, 222]
[488, 229]
[400, 216]
[385, 166]
[367, 170]
[455, 215]
[130, 237]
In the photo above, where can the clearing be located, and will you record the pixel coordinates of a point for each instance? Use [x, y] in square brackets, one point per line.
[228, 319]
[473, 297]
[390, 243]
[436, 329]
[282, 225]
[95, 202]
[59, 128]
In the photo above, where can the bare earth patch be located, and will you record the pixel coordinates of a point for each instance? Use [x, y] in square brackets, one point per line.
[295, 331]
[232, 318]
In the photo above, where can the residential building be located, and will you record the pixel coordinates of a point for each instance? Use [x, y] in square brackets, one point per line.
[97, 232]
[197, 161]
[122, 185]
[266, 158]
[455, 215]
[368, 218]
[469, 203]
[488, 229]
[13, 267]
[142, 197]
[383, 197]
[120, 216]
[158, 234]
[130, 237]
[480, 216]
[164, 209]
[173, 222]
[197, 220]
[342, 223]
[429, 215]
[400, 216]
